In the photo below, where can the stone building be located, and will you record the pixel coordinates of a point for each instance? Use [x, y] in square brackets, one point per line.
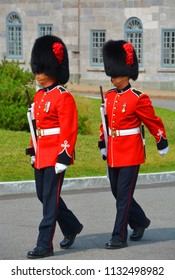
[84, 25]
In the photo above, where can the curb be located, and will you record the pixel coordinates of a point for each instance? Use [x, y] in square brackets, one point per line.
[84, 183]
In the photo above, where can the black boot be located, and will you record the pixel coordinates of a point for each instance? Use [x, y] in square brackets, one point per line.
[137, 233]
[40, 252]
[69, 239]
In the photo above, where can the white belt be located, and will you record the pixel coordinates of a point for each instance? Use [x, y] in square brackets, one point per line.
[48, 131]
[124, 132]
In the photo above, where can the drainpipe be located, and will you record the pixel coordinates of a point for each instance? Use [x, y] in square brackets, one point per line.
[78, 41]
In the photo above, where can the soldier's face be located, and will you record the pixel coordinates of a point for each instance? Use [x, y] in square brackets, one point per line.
[120, 82]
[44, 80]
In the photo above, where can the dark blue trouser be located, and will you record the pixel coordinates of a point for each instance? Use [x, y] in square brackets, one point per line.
[48, 187]
[123, 181]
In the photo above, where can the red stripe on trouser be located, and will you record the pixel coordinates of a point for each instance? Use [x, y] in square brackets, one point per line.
[129, 202]
[57, 201]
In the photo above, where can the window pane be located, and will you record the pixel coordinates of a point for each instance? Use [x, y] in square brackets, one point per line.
[98, 40]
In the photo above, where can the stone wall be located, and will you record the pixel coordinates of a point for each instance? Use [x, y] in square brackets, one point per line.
[73, 21]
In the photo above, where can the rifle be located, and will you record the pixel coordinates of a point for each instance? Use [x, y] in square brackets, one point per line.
[143, 138]
[31, 150]
[104, 118]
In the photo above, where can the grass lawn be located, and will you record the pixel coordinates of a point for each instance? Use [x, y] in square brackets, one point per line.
[15, 165]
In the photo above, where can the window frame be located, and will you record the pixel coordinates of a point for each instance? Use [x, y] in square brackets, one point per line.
[163, 64]
[98, 50]
[137, 34]
[14, 36]
[42, 33]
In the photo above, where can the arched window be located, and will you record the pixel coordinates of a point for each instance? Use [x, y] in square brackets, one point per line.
[134, 34]
[14, 36]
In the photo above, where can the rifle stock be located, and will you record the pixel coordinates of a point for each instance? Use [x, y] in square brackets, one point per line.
[32, 126]
[104, 118]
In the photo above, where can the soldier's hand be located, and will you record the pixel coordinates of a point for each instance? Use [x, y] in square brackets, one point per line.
[32, 160]
[103, 153]
[59, 167]
[163, 152]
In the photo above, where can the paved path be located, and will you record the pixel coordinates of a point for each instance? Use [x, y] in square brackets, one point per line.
[20, 216]
[164, 103]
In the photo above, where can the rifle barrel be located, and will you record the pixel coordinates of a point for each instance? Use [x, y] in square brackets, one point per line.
[28, 99]
[102, 97]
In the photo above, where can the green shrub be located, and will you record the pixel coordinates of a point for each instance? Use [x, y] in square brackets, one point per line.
[14, 81]
[84, 111]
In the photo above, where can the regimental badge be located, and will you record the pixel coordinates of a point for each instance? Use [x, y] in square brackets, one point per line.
[124, 108]
[46, 107]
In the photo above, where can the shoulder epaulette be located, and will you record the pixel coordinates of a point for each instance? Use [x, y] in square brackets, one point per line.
[62, 89]
[137, 92]
[110, 90]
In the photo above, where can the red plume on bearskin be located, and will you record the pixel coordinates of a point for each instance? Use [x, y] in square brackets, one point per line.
[58, 51]
[129, 53]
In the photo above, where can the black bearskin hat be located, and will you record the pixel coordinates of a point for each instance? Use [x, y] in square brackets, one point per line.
[120, 59]
[49, 56]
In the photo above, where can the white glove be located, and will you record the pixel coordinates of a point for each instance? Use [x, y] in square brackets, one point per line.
[59, 167]
[103, 153]
[32, 160]
[164, 151]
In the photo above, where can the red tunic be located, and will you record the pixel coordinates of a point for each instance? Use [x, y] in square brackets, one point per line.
[125, 110]
[54, 107]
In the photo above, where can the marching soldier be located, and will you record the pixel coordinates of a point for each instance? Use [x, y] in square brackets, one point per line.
[126, 109]
[55, 115]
